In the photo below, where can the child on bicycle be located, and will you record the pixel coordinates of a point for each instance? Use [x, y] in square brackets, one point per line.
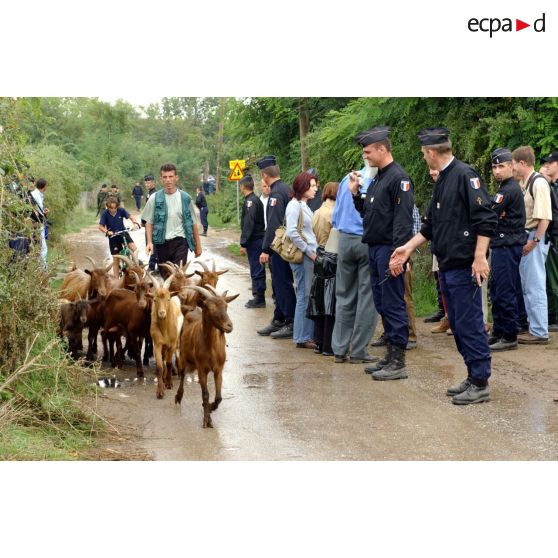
[112, 221]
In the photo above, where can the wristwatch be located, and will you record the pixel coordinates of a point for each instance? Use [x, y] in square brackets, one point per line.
[537, 240]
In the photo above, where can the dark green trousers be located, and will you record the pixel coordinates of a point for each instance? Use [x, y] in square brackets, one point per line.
[552, 282]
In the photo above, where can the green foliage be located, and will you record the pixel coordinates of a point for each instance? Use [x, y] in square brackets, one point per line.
[65, 180]
[40, 412]
[223, 204]
[477, 125]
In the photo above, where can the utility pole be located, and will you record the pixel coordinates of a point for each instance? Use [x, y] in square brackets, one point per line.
[220, 143]
[303, 127]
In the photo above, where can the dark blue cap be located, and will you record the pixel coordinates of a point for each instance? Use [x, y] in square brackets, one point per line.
[501, 155]
[433, 136]
[267, 161]
[552, 157]
[379, 133]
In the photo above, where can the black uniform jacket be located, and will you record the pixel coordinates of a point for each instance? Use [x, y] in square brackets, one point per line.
[276, 205]
[387, 208]
[458, 211]
[252, 224]
[200, 201]
[510, 208]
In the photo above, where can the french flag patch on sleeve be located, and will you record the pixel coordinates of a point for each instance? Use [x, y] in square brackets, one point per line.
[405, 185]
[498, 198]
[475, 182]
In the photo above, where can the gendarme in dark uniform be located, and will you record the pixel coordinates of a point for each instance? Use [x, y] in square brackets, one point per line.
[281, 276]
[387, 211]
[459, 212]
[506, 247]
[252, 227]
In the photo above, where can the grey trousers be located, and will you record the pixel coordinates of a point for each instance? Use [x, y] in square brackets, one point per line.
[355, 313]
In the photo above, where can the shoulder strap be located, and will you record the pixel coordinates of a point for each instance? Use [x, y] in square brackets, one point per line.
[531, 181]
[300, 218]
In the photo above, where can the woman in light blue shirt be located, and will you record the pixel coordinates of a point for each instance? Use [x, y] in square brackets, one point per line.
[304, 189]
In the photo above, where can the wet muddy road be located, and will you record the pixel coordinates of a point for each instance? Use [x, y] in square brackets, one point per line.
[283, 403]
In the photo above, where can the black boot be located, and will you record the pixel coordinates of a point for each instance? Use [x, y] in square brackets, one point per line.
[257, 302]
[395, 370]
[381, 363]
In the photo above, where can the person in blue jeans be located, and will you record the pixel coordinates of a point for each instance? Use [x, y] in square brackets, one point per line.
[303, 237]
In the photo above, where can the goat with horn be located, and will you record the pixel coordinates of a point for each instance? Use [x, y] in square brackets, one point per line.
[202, 346]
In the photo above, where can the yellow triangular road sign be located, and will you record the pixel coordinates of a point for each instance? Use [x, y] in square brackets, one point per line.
[236, 173]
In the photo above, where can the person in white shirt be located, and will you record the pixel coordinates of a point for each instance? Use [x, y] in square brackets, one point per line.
[38, 195]
[265, 190]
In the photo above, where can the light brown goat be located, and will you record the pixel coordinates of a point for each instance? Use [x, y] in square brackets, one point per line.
[164, 333]
[85, 283]
[202, 346]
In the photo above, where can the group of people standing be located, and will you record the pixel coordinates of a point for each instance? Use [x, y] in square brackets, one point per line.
[372, 217]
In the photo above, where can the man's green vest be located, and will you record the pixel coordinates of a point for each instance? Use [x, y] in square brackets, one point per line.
[160, 219]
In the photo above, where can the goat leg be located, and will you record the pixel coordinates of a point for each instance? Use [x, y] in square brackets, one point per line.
[105, 346]
[136, 344]
[217, 374]
[159, 360]
[202, 375]
[182, 371]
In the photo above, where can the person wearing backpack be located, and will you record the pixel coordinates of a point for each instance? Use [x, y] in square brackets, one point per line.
[538, 211]
[506, 248]
[549, 170]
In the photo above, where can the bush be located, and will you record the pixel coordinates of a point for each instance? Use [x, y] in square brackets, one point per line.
[223, 204]
[65, 181]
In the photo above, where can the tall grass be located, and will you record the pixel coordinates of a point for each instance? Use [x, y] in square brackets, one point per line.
[42, 413]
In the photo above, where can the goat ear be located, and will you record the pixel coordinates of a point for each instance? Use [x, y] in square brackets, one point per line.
[231, 298]
[221, 272]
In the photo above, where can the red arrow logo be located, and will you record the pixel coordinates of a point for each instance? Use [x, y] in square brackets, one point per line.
[519, 25]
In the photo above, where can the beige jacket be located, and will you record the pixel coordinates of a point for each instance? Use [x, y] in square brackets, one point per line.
[321, 222]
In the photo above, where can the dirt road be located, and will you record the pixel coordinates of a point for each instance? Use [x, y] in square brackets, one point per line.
[283, 403]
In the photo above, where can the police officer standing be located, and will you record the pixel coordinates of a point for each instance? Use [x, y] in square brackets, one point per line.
[281, 326]
[460, 223]
[387, 211]
[506, 247]
[252, 228]
[201, 204]
[549, 170]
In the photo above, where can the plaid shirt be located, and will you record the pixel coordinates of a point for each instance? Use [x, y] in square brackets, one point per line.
[417, 222]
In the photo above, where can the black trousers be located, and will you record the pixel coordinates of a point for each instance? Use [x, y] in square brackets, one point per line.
[323, 330]
[282, 281]
[203, 218]
[257, 271]
[174, 250]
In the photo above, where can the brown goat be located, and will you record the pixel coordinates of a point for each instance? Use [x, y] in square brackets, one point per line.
[128, 312]
[164, 333]
[202, 346]
[189, 298]
[180, 278]
[128, 280]
[73, 317]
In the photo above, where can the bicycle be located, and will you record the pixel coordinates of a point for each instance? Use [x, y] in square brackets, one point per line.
[122, 265]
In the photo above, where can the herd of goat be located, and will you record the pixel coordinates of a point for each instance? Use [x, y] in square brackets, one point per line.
[184, 316]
